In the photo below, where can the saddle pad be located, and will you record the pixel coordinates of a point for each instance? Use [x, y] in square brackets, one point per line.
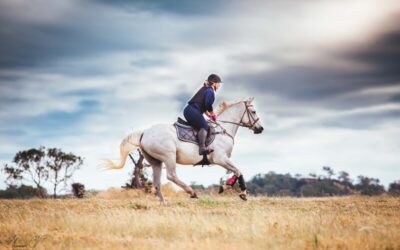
[189, 134]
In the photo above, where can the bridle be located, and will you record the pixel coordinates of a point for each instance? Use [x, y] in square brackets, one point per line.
[250, 124]
[250, 117]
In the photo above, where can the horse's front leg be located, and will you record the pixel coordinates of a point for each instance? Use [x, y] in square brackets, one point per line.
[226, 163]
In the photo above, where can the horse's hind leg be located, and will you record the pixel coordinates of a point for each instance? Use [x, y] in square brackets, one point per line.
[157, 171]
[171, 175]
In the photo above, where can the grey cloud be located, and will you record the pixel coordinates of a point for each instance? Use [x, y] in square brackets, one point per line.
[11, 132]
[298, 82]
[317, 84]
[177, 7]
[395, 98]
[84, 31]
[148, 62]
[93, 29]
[83, 93]
[362, 121]
[182, 96]
[383, 52]
[30, 46]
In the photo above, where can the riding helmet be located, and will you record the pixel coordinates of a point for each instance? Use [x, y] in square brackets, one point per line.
[214, 78]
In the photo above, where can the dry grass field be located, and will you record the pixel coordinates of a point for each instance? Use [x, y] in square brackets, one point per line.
[130, 220]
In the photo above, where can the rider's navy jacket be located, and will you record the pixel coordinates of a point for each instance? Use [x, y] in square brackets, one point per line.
[203, 99]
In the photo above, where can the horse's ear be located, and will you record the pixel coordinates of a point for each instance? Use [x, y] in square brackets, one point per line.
[222, 105]
[250, 100]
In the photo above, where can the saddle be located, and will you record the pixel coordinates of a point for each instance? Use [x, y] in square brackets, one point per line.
[187, 133]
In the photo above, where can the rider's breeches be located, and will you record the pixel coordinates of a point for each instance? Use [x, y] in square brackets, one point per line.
[195, 117]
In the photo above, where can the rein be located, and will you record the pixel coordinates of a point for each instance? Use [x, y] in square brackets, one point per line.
[223, 132]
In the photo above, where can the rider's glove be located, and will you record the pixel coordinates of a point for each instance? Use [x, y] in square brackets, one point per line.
[213, 117]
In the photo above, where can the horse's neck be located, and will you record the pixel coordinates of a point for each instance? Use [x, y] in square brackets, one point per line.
[232, 114]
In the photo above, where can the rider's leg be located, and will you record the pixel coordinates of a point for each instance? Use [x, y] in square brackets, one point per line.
[171, 175]
[196, 119]
[202, 135]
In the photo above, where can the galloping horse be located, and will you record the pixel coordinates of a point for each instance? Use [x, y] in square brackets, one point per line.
[160, 144]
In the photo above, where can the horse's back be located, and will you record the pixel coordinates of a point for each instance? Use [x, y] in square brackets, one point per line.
[161, 142]
[158, 141]
[158, 133]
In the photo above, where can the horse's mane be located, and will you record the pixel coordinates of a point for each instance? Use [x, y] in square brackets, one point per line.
[225, 105]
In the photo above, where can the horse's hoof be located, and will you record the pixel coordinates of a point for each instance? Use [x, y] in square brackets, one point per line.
[194, 196]
[243, 197]
[221, 189]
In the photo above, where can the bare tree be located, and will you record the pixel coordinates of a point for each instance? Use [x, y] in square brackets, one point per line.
[29, 165]
[138, 178]
[394, 188]
[369, 186]
[313, 175]
[344, 177]
[61, 167]
[329, 171]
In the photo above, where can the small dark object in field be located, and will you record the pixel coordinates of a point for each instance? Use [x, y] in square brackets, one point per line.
[221, 189]
[78, 189]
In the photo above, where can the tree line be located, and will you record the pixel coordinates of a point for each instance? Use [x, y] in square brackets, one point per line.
[56, 168]
[327, 184]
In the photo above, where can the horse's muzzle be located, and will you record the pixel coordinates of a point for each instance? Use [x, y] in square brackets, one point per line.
[258, 130]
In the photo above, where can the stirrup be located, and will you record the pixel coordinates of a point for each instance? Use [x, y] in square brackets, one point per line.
[207, 151]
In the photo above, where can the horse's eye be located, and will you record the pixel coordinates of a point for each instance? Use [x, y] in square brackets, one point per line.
[253, 112]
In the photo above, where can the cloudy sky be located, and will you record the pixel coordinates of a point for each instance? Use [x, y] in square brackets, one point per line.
[80, 75]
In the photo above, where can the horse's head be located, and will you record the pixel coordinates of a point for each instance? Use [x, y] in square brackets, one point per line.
[250, 117]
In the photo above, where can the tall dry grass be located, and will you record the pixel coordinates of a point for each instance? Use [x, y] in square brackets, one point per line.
[129, 220]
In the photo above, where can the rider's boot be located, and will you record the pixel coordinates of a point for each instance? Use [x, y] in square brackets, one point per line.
[202, 134]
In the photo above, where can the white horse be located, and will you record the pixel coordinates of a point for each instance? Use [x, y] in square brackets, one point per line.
[160, 144]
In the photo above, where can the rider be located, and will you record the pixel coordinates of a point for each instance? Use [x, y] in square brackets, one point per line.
[202, 103]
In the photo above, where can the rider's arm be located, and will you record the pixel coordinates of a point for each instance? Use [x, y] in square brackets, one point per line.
[209, 99]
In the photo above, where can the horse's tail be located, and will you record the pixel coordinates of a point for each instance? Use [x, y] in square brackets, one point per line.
[128, 144]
